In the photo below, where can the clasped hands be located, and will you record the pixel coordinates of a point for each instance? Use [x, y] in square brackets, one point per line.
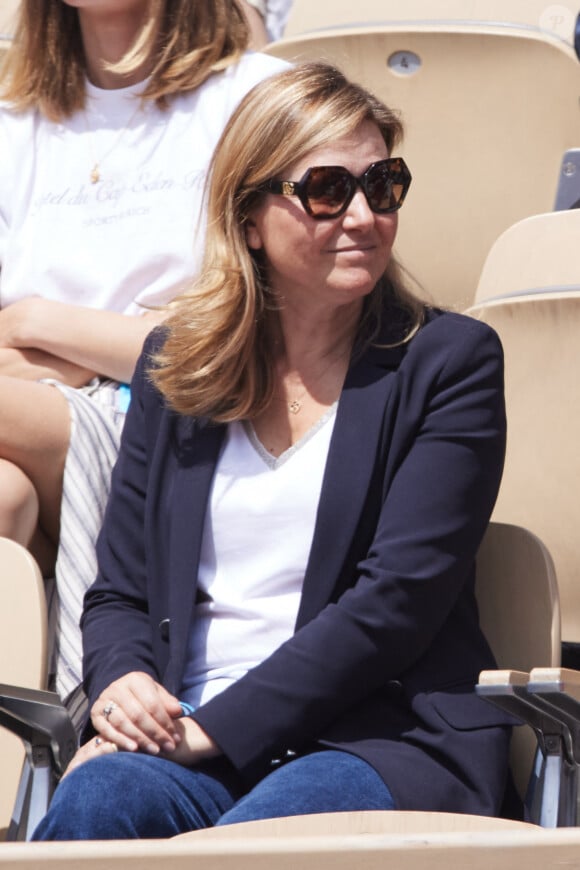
[136, 714]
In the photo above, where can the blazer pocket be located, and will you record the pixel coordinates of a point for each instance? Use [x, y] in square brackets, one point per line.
[466, 711]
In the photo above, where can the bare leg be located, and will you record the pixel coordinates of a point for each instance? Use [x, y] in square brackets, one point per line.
[18, 504]
[19, 516]
[34, 438]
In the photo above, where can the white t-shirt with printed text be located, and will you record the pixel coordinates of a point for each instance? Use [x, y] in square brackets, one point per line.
[130, 239]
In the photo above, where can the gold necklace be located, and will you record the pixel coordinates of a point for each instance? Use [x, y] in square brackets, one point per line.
[95, 173]
[295, 404]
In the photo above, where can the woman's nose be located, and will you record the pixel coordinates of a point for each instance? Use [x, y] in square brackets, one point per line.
[359, 212]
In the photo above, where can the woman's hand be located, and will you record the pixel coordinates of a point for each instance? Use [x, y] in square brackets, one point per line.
[30, 364]
[194, 744]
[21, 321]
[137, 714]
[95, 747]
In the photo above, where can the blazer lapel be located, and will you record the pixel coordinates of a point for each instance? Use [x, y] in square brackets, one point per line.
[197, 453]
[351, 461]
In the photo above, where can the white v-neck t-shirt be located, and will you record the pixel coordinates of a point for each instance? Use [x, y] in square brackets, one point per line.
[256, 542]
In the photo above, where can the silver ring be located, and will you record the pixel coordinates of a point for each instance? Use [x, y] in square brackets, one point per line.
[98, 741]
[108, 709]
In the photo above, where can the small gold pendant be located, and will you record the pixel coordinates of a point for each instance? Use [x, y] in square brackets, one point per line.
[95, 174]
[294, 406]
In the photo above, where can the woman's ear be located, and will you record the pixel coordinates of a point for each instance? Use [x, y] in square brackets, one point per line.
[253, 237]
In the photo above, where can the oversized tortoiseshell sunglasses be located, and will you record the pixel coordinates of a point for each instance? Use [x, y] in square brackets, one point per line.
[326, 191]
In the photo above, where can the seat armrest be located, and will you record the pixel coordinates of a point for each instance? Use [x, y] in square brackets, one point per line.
[39, 718]
[43, 724]
[552, 798]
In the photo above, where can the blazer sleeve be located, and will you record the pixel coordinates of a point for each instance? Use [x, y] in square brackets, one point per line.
[445, 449]
[117, 636]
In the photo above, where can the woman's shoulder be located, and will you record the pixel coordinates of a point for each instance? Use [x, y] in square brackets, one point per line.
[453, 347]
[16, 121]
[450, 328]
[444, 341]
[258, 65]
[17, 137]
[250, 69]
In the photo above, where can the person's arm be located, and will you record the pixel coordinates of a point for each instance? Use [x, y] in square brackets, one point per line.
[258, 34]
[104, 342]
[123, 671]
[33, 365]
[117, 636]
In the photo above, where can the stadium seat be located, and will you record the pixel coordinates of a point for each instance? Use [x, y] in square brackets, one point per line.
[24, 652]
[519, 612]
[354, 843]
[541, 480]
[556, 19]
[539, 254]
[356, 824]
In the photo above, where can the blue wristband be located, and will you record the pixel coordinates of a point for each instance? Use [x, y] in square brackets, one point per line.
[186, 708]
[123, 397]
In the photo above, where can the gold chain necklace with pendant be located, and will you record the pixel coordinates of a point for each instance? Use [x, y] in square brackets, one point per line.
[95, 173]
[295, 404]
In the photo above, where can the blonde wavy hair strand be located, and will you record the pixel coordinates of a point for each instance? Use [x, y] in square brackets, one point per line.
[188, 40]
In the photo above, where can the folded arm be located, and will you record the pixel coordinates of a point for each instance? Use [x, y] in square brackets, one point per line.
[33, 365]
[85, 341]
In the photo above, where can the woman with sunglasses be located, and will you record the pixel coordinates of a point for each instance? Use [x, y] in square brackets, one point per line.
[284, 618]
[111, 112]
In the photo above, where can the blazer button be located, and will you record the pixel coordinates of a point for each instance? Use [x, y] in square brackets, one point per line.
[284, 759]
[394, 686]
[164, 629]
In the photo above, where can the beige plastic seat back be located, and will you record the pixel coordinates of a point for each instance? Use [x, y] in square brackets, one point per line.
[23, 651]
[554, 18]
[539, 254]
[541, 482]
[356, 824]
[501, 846]
[517, 594]
[489, 113]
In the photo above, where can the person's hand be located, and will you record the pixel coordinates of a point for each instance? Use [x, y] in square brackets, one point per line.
[95, 747]
[22, 319]
[194, 744]
[135, 713]
[31, 364]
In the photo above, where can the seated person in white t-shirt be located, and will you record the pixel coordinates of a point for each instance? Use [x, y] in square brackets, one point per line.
[109, 118]
[284, 618]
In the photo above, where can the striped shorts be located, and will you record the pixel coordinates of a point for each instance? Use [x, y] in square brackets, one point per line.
[97, 417]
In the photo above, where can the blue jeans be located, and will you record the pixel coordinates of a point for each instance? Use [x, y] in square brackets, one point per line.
[129, 795]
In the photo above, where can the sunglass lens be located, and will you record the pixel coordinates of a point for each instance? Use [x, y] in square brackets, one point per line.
[327, 190]
[385, 186]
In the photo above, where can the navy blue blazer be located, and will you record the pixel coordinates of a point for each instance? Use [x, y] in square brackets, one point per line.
[387, 646]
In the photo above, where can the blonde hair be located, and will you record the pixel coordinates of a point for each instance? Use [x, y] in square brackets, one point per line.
[188, 40]
[217, 357]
